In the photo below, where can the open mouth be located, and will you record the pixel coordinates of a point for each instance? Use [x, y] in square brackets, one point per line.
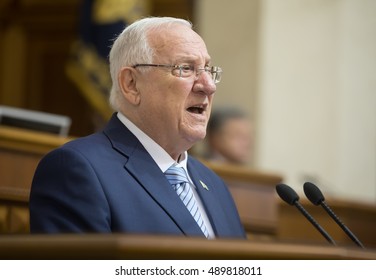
[197, 109]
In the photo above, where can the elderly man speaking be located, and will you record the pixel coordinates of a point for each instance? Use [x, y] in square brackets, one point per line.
[135, 176]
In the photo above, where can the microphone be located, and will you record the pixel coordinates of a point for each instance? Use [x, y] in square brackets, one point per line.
[314, 194]
[291, 197]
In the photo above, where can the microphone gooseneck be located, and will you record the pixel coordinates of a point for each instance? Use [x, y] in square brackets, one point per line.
[288, 195]
[314, 194]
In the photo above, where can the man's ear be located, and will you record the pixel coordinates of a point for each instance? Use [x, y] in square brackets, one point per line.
[127, 83]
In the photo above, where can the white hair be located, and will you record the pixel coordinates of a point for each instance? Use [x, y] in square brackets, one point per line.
[132, 47]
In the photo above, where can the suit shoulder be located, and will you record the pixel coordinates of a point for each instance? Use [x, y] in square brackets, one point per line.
[84, 146]
[86, 142]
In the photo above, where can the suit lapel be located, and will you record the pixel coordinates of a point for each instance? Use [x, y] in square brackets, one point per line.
[157, 186]
[207, 193]
[141, 165]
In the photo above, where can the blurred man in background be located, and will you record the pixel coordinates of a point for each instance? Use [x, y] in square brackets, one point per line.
[229, 137]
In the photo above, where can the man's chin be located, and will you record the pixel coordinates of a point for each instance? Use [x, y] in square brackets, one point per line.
[196, 136]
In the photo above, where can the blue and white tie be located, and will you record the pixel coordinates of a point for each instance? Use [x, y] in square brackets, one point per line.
[179, 181]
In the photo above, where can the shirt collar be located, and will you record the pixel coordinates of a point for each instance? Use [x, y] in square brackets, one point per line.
[160, 156]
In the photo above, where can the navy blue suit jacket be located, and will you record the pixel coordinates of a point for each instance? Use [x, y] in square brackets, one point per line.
[107, 182]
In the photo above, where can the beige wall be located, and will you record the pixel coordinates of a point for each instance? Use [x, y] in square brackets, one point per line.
[230, 32]
[307, 70]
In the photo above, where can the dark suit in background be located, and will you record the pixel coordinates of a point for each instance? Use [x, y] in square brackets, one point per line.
[107, 182]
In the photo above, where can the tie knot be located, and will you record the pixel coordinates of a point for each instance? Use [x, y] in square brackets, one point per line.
[176, 175]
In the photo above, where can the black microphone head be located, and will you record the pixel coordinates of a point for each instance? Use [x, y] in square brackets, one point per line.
[287, 194]
[313, 193]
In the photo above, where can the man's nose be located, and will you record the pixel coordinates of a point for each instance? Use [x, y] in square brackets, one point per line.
[205, 79]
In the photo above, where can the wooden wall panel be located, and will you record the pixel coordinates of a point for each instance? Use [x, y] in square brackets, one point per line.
[358, 217]
[35, 41]
[175, 8]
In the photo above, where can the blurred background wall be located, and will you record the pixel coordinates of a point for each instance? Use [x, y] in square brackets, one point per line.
[304, 70]
[38, 38]
[307, 72]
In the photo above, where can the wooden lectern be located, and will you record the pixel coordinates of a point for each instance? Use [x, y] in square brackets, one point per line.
[20, 152]
[117, 246]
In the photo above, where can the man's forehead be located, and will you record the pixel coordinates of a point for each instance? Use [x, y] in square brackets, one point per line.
[181, 42]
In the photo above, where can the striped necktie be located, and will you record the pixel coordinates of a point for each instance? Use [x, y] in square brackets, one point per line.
[179, 181]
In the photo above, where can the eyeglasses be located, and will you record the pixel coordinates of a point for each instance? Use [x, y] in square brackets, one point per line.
[186, 70]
